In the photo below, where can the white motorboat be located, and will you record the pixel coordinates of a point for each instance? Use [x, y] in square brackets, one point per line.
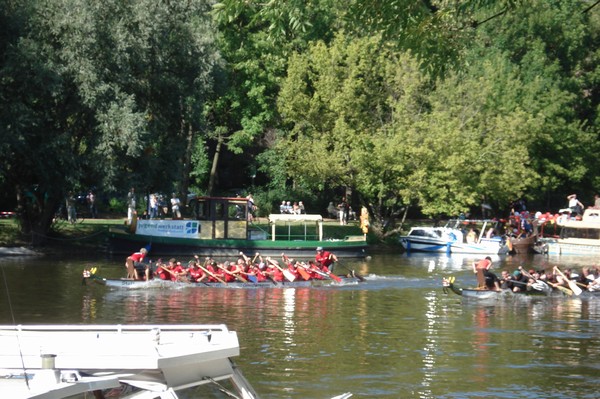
[430, 239]
[576, 237]
[120, 361]
[453, 238]
[133, 361]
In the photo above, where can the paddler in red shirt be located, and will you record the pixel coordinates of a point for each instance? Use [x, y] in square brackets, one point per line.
[196, 274]
[315, 270]
[257, 270]
[227, 267]
[272, 271]
[325, 259]
[161, 270]
[292, 268]
[177, 272]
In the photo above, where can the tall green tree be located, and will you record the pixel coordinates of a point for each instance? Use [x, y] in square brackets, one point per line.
[342, 102]
[371, 120]
[109, 94]
[256, 38]
[553, 47]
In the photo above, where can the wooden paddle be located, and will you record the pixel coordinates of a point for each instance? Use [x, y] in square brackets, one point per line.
[249, 263]
[237, 276]
[315, 270]
[572, 285]
[302, 272]
[543, 283]
[354, 274]
[219, 279]
[286, 273]
[177, 276]
[331, 275]
[565, 290]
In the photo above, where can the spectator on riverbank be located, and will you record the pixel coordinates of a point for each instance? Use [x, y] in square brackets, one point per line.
[131, 205]
[71, 212]
[91, 200]
[175, 204]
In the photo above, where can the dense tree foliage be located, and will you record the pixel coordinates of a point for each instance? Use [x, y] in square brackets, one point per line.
[103, 94]
[429, 105]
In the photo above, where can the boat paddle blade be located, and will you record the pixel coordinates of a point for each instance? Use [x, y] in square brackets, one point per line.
[572, 284]
[354, 274]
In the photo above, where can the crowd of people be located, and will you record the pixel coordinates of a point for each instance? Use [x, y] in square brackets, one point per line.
[522, 280]
[243, 269]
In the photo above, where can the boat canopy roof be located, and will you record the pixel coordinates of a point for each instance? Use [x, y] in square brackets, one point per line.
[276, 218]
[589, 220]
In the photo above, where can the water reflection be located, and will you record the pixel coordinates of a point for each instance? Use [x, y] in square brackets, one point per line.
[396, 336]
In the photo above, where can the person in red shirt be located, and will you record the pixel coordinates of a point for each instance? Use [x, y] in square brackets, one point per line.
[212, 268]
[292, 267]
[134, 264]
[196, 274]
[325, 259]
[257, 270]
[178, 272]
[315, 271]
[273, 272]
[162, 270]
[239, 268]
[223, 272]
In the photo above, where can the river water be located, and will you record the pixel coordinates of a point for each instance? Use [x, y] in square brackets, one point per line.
[398, 335]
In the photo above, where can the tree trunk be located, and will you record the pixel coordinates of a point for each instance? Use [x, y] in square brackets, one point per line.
[213, 169]
[187, 157]
[35, 214]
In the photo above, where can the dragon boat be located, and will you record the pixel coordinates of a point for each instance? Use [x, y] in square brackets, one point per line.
[538, 289]
[484, 293]
[92, 278]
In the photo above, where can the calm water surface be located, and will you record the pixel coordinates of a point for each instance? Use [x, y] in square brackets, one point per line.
[395, 336]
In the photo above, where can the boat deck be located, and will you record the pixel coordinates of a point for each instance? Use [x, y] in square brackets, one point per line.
[46, 361]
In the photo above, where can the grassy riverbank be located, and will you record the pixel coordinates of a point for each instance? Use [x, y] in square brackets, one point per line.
[87, 235]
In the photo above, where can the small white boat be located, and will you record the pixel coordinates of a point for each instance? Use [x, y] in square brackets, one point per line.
[140, 361]
[430, 239]
[453, 239]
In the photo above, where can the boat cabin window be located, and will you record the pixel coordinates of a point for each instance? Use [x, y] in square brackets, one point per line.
[219, 213]
[221, 209]
[426, 233]
[201, 210]
[590, 234]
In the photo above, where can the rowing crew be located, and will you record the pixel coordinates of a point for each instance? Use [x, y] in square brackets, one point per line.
[244, 269]
[540, 280]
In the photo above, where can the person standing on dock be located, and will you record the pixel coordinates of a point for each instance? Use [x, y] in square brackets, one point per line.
[325, 258]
